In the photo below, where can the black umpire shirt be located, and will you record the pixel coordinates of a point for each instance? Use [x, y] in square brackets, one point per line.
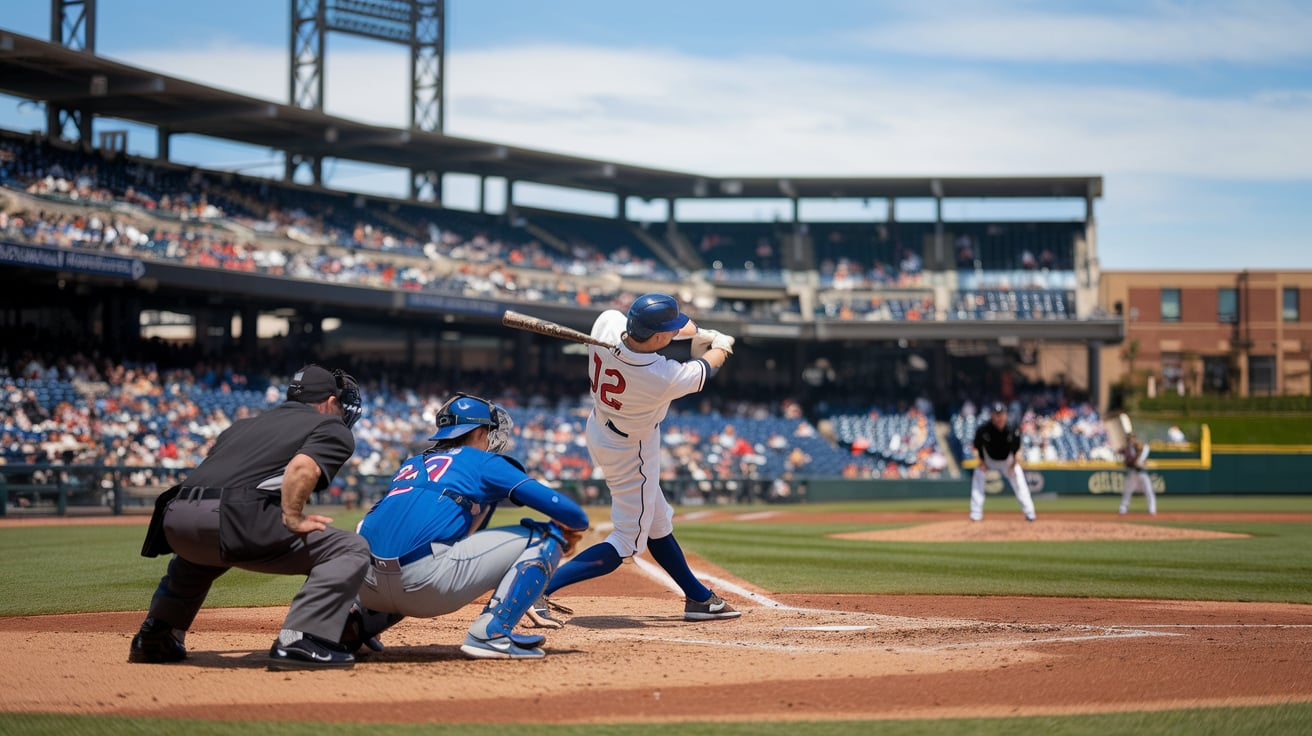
[258, 449]
[997, 443]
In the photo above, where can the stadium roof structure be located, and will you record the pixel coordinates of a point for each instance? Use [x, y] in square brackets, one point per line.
[41, 70]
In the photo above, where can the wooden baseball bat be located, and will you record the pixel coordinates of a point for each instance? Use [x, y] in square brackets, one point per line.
[549, 328]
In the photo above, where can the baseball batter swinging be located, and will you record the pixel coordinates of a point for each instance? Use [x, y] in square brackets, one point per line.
[632, 387]
[998, 447]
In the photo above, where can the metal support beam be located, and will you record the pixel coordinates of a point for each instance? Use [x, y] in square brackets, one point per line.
[72, 24]
[309, 24]
[427, 41]
[418, 24]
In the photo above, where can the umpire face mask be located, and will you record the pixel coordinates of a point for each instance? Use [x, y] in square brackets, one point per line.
[348, 394]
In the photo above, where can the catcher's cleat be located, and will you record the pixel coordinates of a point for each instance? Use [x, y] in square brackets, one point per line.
[157, 642]
[540, 616]
[528, 641]
[711, 609]
[498, 647]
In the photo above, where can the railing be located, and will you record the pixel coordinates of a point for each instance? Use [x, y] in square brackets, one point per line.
[89, 490]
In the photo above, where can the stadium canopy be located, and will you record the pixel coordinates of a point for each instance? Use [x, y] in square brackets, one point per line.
[45, 71]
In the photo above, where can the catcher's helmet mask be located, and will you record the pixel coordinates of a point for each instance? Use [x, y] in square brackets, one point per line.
[653, 313]
[463, 413]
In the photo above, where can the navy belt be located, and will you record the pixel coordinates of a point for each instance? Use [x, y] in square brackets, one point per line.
[199, 493]
[418, 554]
[611, 426]
[463, 501]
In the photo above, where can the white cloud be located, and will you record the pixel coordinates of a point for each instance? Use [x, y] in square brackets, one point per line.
[771, 115]
[1271, 31]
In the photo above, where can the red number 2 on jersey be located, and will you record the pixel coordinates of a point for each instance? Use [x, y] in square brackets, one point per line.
[606, 391]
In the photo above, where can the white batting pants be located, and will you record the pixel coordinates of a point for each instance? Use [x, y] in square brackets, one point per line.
[1016, 478]
[632, 467]
[1138, 480]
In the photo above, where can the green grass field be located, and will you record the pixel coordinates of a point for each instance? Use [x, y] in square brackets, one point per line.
[1247, 429]
[46, 570]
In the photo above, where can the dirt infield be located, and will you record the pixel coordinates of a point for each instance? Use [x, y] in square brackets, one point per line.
[628, 656]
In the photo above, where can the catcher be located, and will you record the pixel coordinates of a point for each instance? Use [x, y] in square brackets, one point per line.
[432, 553]
[1135, 454]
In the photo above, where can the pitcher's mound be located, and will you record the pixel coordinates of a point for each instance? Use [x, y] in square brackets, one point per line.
[1019, 530]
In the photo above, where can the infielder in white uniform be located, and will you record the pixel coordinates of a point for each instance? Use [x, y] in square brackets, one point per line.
[998, 447]
[632, 387]
[1136, 474]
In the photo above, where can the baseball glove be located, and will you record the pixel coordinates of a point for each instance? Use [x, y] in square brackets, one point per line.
[570, 539]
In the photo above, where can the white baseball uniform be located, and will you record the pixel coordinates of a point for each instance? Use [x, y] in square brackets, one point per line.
[1136, 477]
[631, 393]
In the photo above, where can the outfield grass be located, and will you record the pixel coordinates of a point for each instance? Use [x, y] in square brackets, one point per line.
[1249, 429]
[52, 569]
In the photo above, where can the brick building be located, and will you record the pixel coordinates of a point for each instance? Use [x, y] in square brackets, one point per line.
[1197, 332]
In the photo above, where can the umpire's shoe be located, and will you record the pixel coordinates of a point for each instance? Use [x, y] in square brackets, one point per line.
[711, 609]
[157, 642]
[295, 650]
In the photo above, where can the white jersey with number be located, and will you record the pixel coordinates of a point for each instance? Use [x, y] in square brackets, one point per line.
[632, 390]
[631, 393]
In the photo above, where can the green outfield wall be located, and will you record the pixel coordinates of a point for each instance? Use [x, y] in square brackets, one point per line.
[1261, 473]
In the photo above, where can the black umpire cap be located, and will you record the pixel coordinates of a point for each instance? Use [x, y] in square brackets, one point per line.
[311, 385]
[999, 407]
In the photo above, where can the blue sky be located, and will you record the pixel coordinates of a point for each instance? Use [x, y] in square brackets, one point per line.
[1196, 113]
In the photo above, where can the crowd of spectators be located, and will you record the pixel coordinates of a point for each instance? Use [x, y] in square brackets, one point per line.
[1051, 432]
[152, 425]
[220, 220]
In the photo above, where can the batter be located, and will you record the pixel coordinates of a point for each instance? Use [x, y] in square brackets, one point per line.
[632, 387]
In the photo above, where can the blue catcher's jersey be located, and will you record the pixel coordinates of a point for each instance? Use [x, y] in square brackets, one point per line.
[445, 496]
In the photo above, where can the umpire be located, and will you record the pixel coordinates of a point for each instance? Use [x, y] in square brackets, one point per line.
[244, 506]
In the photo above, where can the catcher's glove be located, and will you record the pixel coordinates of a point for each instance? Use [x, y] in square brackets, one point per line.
[569, 539]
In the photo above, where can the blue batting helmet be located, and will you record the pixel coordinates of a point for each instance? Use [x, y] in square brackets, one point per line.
[653, 313]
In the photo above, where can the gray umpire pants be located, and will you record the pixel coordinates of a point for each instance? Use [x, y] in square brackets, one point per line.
[333, 560]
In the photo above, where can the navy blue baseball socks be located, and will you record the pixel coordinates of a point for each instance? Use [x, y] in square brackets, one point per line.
[711, 609]
[295, 650]
[157, 642]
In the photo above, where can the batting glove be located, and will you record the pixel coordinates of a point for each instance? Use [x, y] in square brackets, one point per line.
[723, 342]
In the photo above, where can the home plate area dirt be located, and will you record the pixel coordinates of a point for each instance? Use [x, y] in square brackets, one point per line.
[626, 655]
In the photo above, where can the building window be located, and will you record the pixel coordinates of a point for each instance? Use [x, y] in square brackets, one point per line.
[1261, 374]
[1216, 374]
[1289, 304]
[1227, 306]
[1170, 305]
